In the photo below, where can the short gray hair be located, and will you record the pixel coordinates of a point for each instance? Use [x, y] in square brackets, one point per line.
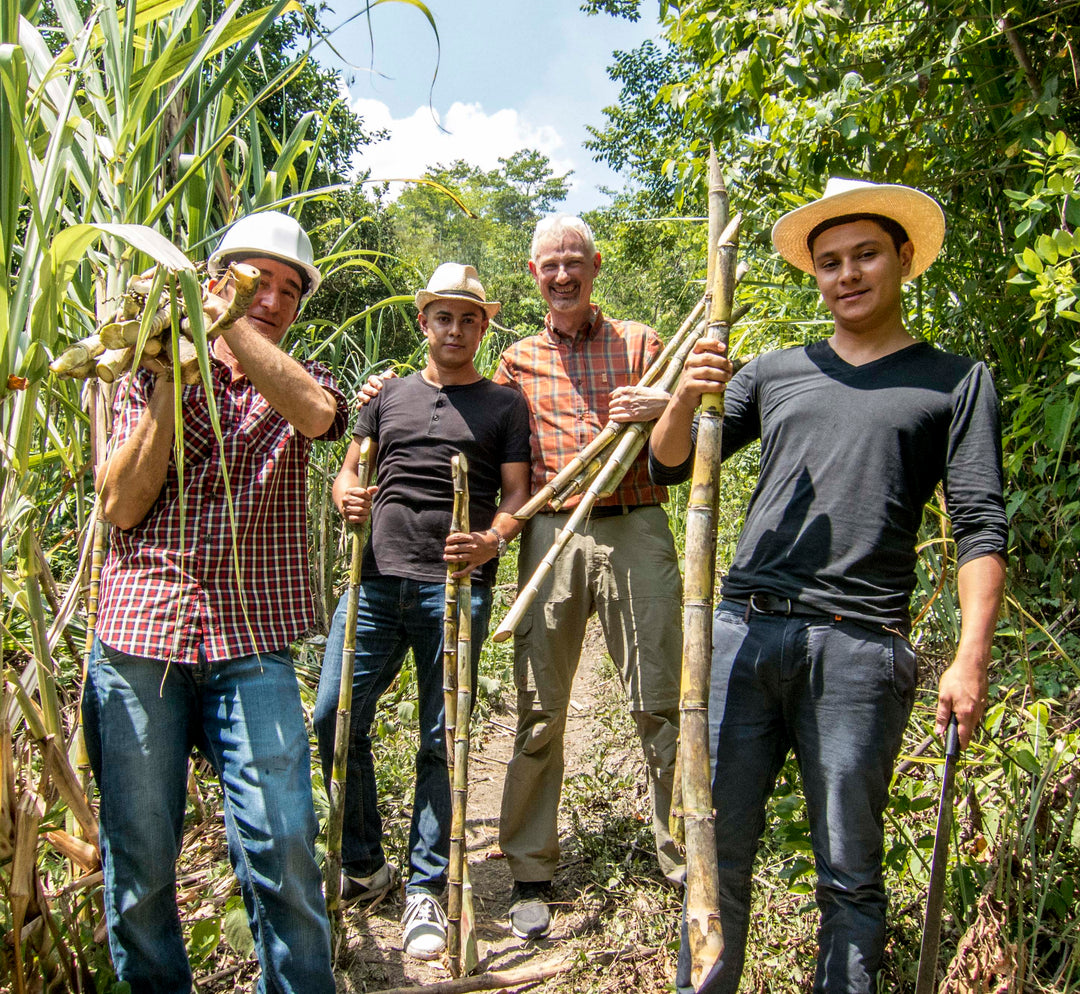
[556, 224]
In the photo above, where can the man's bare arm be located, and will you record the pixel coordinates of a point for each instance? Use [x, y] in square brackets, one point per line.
[131, 478]
[288, 388]
[962, 689]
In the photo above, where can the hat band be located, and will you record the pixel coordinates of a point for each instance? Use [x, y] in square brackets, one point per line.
[834, 222]
[458, 293]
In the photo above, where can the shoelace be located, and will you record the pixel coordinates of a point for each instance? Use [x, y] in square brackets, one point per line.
[422, 909]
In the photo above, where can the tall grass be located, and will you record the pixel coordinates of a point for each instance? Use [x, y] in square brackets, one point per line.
[127, 130]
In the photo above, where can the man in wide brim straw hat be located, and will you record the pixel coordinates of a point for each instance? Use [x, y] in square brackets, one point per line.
[810, 649]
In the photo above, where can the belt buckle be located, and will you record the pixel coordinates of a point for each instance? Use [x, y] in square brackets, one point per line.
[771, 604]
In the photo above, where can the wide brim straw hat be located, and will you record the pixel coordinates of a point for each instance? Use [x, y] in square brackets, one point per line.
[453, 281]
[920, 215]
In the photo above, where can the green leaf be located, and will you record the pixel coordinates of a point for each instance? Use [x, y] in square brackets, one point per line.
[236, 930]
[204, 940]
[1026, 761]
[1047, 249]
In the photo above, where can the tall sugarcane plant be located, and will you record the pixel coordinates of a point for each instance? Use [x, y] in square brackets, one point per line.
[704, 933]
[358, 533]
[126, 131]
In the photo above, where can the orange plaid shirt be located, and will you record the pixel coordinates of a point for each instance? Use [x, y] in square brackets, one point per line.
[567, 381]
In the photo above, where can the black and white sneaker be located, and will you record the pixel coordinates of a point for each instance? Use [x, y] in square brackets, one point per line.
[423, 926]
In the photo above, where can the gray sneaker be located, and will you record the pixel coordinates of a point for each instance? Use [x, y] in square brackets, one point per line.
[530, 916]
[364, 890]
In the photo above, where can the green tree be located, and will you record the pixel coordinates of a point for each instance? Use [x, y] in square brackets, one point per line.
[505, 205]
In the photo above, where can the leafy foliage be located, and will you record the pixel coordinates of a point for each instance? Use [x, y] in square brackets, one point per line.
[505, 203]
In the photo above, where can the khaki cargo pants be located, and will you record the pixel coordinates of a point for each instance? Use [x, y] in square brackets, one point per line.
[624, 568]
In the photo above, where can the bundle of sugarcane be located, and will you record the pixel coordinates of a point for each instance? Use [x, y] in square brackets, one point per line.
[570, 479]
[601, 475]
[111, 350]
[457, 684]
[703, 928]
[344, 708]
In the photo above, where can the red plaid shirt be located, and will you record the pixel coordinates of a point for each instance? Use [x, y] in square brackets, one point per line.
[170, 583]
[567, 382]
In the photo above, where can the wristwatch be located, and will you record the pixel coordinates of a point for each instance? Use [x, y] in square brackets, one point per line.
[502, 543]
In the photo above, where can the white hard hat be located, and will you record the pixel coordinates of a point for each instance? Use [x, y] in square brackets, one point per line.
[273, 235]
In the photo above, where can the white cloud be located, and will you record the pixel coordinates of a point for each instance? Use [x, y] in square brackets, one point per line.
[416, 142]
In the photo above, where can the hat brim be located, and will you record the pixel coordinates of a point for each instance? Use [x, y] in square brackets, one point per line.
[425, 297]
[921, 216]
[219, 262]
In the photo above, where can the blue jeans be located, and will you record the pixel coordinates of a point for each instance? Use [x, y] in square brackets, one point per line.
[393, 616]
[840, 695]
[142, 720]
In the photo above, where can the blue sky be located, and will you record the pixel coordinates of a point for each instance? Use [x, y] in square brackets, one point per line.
[512, 74]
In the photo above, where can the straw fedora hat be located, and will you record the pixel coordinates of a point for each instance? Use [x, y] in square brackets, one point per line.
[453, 281]
[920, 215]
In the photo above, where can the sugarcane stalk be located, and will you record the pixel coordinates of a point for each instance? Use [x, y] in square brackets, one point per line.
[120, 334]
[188, 359]
[704, 932]
[79, 354]
[344, 709]
[457, 939]
[112, 363]
[450, 617]
[623, 455]
[245, 284]
[561, 480]
[468, 955]
[588, 473]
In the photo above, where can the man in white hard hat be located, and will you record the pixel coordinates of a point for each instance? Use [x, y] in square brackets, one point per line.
[418, 424]
[204, 589]
[810, 647]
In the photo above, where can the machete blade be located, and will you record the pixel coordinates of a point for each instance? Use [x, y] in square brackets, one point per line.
[935, 895]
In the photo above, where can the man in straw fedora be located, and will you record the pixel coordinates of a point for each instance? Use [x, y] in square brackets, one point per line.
[810, 646]
[204, 589]
[418, 424]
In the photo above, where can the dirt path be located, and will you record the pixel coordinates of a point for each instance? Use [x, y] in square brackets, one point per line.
[599, 744]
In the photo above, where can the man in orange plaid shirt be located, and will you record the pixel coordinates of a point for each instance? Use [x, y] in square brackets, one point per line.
[576, 374]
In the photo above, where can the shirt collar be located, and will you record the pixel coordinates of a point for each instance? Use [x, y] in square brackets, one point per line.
[588, 331]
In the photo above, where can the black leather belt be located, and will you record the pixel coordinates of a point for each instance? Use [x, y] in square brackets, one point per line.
[762, 603]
